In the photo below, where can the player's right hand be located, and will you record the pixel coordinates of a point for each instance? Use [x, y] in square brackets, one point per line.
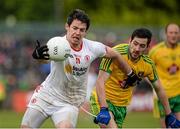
[103, 117]
[40, 52]
[171, 121]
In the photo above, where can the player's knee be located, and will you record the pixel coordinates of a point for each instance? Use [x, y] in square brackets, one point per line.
[64, 124]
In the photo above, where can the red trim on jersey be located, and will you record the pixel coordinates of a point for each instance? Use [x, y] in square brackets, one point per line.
[77, 49]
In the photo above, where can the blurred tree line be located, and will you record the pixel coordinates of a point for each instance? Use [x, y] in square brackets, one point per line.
[101, 12]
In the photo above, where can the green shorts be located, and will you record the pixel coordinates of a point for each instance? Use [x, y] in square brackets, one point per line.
[118, 112]
[174, 103]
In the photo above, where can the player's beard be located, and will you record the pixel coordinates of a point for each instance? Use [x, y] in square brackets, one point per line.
[134, 55]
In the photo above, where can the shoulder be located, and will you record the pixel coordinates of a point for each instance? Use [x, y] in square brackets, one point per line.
[98, 49]
[93, 45]
[147, 59]
[157, 47]
[91, 42]
[122, 48]
[87, 41]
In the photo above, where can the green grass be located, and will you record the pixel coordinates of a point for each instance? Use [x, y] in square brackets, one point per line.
[10, 119]
[141, 120]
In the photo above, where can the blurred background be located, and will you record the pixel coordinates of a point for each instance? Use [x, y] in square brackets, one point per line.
[22, 22]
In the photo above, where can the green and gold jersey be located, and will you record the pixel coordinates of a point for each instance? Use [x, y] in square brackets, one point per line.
[167, 61]
[144, 67]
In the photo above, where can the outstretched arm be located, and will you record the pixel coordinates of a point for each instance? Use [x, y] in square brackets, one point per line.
[100, 88]
[103, 116]
[123, 65]
[170, 120]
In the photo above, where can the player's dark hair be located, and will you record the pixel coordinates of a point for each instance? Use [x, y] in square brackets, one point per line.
[142, 33]
[79, 15]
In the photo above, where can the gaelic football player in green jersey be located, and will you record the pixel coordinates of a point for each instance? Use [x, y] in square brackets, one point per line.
[114, 90]
[166, 56]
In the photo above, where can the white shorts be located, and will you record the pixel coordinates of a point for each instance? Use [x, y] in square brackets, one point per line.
[58, 113]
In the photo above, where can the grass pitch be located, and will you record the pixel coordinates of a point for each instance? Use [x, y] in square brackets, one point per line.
[10, 119]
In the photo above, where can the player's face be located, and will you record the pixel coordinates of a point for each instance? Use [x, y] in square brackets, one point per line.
[75, 32]
[137, 47]
[172, 34]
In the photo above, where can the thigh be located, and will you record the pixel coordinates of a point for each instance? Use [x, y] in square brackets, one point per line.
[174, 103]
[66, 116]
[35, 113]
[176, 108]
[119, 113]
[33, 118]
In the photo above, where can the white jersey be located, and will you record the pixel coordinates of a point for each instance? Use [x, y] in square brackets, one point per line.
[67, 81]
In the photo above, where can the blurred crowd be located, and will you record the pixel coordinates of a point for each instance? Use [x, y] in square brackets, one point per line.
[18, 71]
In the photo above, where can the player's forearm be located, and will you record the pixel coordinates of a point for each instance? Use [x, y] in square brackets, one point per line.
[163, 98]
[100, 90]
[123, 65]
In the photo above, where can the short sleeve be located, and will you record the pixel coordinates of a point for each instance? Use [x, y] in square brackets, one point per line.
[99, 49]
[152, 76]
[106, 65]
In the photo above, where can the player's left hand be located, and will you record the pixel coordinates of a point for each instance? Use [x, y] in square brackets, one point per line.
[131, 80]
[103, 117]
[171, 121]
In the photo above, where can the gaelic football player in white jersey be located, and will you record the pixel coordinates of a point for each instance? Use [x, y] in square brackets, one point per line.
[64, 90]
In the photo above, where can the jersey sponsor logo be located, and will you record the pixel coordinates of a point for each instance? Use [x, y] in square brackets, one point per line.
[68, 69]
[75, 70]
[173, 69]
[79, 71]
